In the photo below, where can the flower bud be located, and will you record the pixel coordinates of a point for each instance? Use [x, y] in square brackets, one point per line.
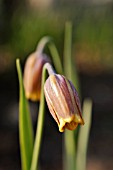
[63, 102]
[33, 74]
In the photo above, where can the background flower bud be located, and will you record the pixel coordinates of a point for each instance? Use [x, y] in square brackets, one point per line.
[63, 102]
[32, 75]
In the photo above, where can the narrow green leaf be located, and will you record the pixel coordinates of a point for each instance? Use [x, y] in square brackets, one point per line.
[69, 136]
[84, 136]
[40, 123]
[69, 64]
[69, 150]
[55, 57]
[68, 50]
[25, 125]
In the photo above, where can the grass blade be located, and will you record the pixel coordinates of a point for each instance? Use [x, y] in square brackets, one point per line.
[84, 136]
[69, 136]
[69, 154]
[68, 50]
[69, 64]
[25, 125]
[55, 57]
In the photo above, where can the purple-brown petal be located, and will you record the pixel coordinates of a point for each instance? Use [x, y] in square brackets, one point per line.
[63, 102]
[32, 75]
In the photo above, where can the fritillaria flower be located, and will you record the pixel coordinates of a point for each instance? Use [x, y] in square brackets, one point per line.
[63, 102]
[32, 75]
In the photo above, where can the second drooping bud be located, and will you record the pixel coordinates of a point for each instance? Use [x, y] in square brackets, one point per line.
[32, 75]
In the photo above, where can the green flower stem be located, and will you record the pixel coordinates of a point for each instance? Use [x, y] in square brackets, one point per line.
[42, 43]
[37, 144]
[57, 63]
[84, 136]
[47, 40]
[49, 68]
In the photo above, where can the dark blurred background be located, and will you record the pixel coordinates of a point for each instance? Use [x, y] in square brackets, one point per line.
[22, 24]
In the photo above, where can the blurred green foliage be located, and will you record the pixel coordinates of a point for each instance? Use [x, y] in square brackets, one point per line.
[94, 38]
[27, 30]
[93, 28]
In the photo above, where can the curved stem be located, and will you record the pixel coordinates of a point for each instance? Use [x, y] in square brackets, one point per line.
[49, 68]
[37, 144]
[53, 50]
[42, 43]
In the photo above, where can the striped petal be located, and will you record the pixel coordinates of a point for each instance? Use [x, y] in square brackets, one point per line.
[33, 74]
[63, 102]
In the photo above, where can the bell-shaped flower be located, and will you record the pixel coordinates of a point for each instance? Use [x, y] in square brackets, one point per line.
[63, 102]
[32, 75]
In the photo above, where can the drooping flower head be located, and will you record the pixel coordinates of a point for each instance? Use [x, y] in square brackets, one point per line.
[32, 75]
[63, 102]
